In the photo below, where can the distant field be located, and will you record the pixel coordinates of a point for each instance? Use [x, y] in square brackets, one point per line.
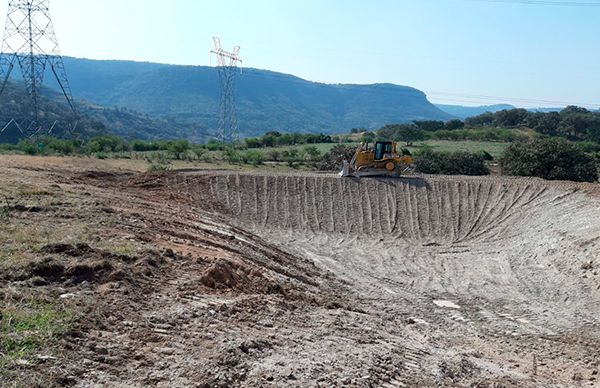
[322, 147]
[493, 148]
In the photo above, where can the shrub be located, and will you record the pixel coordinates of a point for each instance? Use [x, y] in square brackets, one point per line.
[291, 157]
[274, 156]
[178, 148]
[454, 163]
[199, 152]
[486, 156]
[254, 158]
[8, 147]
[214, 145]
[158, 167]
[141, 145]
[57, 146]
[481, 134]
[253, 142]
[107, 144]
[207, 158]
[232, 156]
[368, 137]
[312, 152]
[454, 124]
[28, 147]
[552, 159]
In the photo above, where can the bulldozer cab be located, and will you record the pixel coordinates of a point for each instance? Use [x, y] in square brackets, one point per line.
[383, 150]
[380, 160]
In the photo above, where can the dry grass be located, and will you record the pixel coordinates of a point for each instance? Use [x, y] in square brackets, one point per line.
[27, 326]
[126, 247]
[24, 225]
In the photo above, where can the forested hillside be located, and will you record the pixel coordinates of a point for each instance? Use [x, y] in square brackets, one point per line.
[266, 100]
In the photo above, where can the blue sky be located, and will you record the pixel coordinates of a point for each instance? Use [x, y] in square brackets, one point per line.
[458, 51]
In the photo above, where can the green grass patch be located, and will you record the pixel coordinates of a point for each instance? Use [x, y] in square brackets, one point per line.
[322, 147]
[496, 149]
[27, 327]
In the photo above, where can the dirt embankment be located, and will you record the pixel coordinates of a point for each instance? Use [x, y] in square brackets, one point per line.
[246, 280]
[159, 291]
[444, 209]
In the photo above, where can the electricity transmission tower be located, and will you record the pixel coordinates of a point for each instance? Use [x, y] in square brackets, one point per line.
[30, 42]
[227, 67]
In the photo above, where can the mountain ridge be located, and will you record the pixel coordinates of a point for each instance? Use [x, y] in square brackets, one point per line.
[266, 100]
[188, 98]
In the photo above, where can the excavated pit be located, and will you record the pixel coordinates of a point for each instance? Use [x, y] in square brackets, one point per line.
[483, 259]
[528, 243]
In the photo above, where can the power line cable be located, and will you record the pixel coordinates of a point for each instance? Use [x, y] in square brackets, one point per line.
[543, 2]
[515, 99]
[386, 89]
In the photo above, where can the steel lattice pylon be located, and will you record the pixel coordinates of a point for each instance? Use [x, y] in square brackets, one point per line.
[228, 68]
[30, 42]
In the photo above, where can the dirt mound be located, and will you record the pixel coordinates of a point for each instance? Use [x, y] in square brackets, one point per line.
[77, 250]
[75, 264]
[228, 275]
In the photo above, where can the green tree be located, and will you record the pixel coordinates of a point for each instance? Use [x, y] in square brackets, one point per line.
[28, 147]
[482, 120]
[232, 155]
[368, 137]
[178, 148]
[274, 155]
[312, 152]
[268, 140]
[552, 159]
[291, 156]
[253, 142]
[108, 143]
[53, 145]
[510, 117]
[450, 163]
[429, 125]
[548, 124]
[401, 132]
[253, 157]
[575, 122]
[453, 125]
[199, 151]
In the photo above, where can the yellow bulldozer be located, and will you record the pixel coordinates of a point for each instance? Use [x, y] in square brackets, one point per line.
[382, 159]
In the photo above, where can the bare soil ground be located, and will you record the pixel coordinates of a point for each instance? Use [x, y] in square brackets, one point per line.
[228, 279]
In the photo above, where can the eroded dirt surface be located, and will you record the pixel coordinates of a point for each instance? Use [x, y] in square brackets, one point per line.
[240, 280]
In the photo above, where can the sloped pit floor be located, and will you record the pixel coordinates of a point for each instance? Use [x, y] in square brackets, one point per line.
[501, 272]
